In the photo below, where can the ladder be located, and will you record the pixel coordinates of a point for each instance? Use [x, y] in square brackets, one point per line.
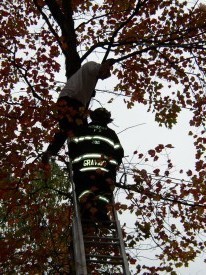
[102, 249]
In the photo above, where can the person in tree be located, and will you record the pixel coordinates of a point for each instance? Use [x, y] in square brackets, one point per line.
[96, 153]
[74, 100]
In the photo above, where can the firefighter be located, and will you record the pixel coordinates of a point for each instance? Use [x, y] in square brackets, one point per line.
[95, 153]
[74, 100]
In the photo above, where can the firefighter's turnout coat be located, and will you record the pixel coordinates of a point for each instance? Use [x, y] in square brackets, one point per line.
[95, 148]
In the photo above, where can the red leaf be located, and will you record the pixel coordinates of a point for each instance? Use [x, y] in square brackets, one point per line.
[151, 153]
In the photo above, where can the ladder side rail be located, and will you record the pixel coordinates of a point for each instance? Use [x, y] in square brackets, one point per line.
[79, 249]
[122, 246]
[79, 252]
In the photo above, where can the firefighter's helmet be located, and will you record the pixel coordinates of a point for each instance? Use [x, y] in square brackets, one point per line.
[101, 115]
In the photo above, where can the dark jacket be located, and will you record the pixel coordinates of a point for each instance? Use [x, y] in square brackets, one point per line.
[95, 147]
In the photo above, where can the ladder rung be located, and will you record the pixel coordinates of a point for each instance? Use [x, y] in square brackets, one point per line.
[106, 223]
[101, 238]
[101, 243]
[113, 235]
[104, 256]
[97, 222]
[111, 224]
[106, 262]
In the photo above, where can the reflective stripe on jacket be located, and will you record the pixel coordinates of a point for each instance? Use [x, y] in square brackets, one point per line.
[95, 147]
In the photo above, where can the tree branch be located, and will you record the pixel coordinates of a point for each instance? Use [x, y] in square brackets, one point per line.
[63, 17]
[56, 12]
[130, 127]
[133, 187]
[122, 25]
[48, 23]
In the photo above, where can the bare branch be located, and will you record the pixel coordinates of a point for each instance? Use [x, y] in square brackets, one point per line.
[134, 187]
[121, 26]
[131, 127]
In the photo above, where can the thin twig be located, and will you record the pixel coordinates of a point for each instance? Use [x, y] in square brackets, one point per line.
[131, 127]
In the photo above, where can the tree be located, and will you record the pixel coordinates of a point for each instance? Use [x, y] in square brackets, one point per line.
[36, 225]
[159, 49]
